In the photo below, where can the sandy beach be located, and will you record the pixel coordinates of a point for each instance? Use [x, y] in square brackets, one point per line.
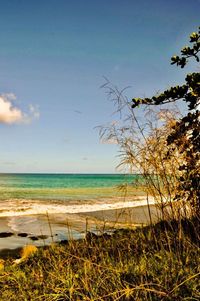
[43, 208]
[42, 229]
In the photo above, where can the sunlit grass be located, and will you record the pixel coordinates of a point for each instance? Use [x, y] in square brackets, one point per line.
[160, 262]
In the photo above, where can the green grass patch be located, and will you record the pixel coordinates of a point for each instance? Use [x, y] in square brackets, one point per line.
[160, 262]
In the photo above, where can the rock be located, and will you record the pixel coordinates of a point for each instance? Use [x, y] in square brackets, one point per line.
[42, 236]
[33, 238]
[22, 234]
[6, 234]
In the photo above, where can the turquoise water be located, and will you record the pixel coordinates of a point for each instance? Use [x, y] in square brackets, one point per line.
[60, 186]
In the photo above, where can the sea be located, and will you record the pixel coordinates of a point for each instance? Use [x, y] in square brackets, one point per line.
[25, 194]
[61, 186]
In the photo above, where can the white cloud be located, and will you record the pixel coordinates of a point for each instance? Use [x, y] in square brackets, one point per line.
[10, 96]
[10, 114]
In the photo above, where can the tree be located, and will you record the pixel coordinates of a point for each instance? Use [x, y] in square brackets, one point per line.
[185, 134]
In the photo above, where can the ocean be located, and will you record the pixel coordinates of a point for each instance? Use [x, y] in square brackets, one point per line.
[60, 186]
[27, 194]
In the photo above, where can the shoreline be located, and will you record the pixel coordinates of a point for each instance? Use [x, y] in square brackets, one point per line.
[42, 230]
[24, 207]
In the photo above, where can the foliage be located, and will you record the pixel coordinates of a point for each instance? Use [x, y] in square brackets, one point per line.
[185, 135]
[152, 263]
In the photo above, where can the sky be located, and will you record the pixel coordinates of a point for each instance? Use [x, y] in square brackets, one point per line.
[54, 55]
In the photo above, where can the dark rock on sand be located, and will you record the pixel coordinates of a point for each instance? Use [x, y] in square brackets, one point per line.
[34, 238]
[22, 234]
[6, 234]
[42, 236]
[63, 242]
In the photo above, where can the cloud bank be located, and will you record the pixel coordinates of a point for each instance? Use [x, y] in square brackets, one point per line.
[10, 114]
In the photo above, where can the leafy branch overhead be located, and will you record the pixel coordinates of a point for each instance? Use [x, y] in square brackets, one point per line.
[185, 133]
[190, 91]
[187, 51]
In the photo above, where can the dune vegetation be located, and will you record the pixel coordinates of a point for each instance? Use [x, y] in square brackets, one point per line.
[158, 262]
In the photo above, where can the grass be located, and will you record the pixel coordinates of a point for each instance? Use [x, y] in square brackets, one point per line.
[158, 262]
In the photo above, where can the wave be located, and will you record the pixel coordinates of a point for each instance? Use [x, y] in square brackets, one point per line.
[21, 207]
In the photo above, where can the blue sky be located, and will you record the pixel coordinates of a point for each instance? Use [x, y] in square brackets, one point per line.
[53, 56]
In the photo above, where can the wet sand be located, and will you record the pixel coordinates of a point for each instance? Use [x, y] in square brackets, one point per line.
[133, 216]
[41, 230]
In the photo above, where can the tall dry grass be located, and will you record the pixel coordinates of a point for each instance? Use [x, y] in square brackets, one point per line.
[143, 149]
[149, 264]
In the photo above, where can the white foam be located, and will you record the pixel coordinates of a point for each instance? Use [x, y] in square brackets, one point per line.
[25, 207]
[12, 224]
[15, 223]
